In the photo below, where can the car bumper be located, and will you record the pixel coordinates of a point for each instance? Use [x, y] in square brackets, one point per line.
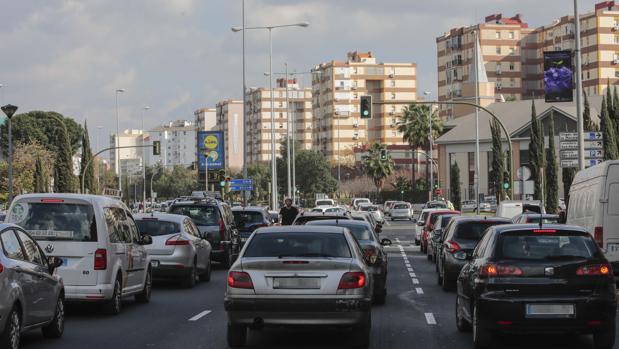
[297, 312]
[95, 293]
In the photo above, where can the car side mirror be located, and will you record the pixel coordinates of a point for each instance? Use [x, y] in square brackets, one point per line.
[385, 242]
[53, 263]
[146, 239]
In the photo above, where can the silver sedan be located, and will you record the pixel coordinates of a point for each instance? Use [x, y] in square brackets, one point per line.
[299, 276]
[178, 250]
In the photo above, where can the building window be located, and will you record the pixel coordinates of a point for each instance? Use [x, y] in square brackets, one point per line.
[589, 74]
[498, 50]
[512, 66]
[512, 82]
[392, 95]
[511, 35]
[512, 50]
[616, 73]
[497, 35]
[499, 85]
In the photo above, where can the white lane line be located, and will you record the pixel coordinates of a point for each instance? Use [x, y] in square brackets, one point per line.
[410, 270]
[412, 275]
[419, 290]
[397, 240]
[430, 319]
[200, 315]
[416, 281]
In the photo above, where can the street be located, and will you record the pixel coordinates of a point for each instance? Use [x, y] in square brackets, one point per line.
[417, 314]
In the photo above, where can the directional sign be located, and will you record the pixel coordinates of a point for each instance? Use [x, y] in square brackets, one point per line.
[594, 154]
[569, 154]
[568, 136]
[241, 188]
[569, 163]
[568, 145]
[241, 182]
[593, 136]
[593, 162]
[594, 144]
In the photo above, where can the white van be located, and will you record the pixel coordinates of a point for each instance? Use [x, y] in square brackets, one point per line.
[98, 241]
[510, 209]
[324, 202]
[594, 205]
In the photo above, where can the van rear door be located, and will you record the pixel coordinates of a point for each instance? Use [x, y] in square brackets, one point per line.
[610, 216]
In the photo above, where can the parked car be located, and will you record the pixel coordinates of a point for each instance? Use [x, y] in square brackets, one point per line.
[216, 223]
[421, 222]
[401, 210]
[31, 294]
[179, 250]
[510, 208]
[248, 219]
[523, 278]
[468, 205]
[374, 210]
[335, 287]
[103, 254]
[434, 240]
[429, 226]
[373, 252]
[457, 243]
[305, 217]
[526, 218]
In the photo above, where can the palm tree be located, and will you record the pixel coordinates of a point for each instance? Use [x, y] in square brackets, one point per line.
[415, 129]
[378, 164]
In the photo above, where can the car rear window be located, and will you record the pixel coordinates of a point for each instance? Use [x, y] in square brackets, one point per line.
[545, 220]
[359, 231]
[324, 202]
[56, 221]
[401, 207]
[529, 245]
[201, 215]
[289, 244]
[155, 227]
[301, 220]
[247, 217]
[473, 230]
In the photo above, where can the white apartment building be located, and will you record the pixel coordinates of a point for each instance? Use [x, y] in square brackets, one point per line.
[129, 157]
[178, 144]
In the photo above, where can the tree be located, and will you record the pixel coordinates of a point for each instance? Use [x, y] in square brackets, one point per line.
[415, 129]
[282, 165]
[608, 130]
[589, 125]
[609, 101]
[64, 179]
[314, 175]
[567, 175]
[175, 182]
[261, 175]
[401, 184]
[87, 172]
[552, 170]
[536, 152]
[615, 115]
[454, 183]
[498, 160]
[24, 167]
[377, 166]
[39, 179]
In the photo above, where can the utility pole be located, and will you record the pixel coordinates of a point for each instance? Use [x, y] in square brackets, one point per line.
[579, 106]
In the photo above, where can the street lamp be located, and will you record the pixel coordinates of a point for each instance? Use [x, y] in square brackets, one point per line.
[9, 110]
[99, 128]
[430, 141]
[273, 164]
[117, 151]
[146, 108]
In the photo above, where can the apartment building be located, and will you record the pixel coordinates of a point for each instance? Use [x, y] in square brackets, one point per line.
[337, 128]
[298, 112]
[130, 158]
[178, 144]
[205, 119]
[229, 120]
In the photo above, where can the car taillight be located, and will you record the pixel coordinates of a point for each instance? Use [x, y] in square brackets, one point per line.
[493, 270]
[598, 236]
[594, 270]
[351, 280]
[1, 268]
[240, 279]
[222, 229]
[176, 241]
[452, 246]
[370, 254]
[101, 259]
[545, 231]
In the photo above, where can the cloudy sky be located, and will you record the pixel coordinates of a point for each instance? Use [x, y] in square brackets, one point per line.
[179, 55]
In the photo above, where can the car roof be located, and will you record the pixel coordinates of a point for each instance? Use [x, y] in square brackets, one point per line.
[248, 208]
[339, 222]
[443, 210]
[166, 217]
[301, 229]
[519, 227]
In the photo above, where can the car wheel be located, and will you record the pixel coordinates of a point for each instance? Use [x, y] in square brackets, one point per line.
[447, 283]
[461, 323]
[113, 306]
[481, 336]
[361, 333]
[439, 277]
[144, 296]
[11, 335]
[605, 339]
[206, 277]
[189, 281]
[237, 335]
[55, 328]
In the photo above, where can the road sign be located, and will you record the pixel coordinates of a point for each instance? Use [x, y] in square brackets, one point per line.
[568, 136]
[523, 173]
[568, 145]
[593, 162]
[589, 154]
[593, 136]
[528, 187]
[573, 136]
[594, 154]
[569, 163]
[241, 188]
[569, 154]
[242, 182]
[594, 144]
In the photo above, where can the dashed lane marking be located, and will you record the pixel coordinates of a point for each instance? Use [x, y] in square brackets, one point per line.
[430, 319]
[200, 315]
[410, 270]
[419, 290]
[415, 281]
[413, 275]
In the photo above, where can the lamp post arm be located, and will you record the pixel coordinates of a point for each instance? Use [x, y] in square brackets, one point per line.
[83, 174]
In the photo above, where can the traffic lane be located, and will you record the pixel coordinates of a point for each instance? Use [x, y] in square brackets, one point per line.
[138, 325]
[442, 305]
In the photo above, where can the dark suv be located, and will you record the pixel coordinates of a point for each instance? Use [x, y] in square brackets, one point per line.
[216, 224]
[248, 219]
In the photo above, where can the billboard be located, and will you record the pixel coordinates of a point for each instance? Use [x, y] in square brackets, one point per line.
[558, 76]
[211, 143]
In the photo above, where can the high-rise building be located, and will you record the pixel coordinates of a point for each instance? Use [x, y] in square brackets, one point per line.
[205, 119]
[229, 120]
[337, 86]
[259, 127]
[178, 144]
[130, 158]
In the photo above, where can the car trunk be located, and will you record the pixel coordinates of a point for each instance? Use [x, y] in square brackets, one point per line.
[78, 260]
[159, 247]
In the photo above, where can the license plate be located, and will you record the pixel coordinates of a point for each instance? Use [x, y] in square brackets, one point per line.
[550, 310]
[296, 283]
[154, 263]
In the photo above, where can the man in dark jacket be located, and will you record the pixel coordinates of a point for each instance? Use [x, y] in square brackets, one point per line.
[288, 212]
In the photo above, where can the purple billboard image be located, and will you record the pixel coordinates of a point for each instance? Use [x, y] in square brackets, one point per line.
[558, 76]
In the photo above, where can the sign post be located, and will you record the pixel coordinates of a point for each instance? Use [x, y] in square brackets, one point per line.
[568, 149]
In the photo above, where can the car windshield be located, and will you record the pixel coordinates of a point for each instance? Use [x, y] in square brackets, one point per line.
[201, 215]
[529, 245]
[55, 221]
[473, 230]
[401, 207]
[247, 218]
[359, 231]
[545, 219]
[155, 227]
[295, 244]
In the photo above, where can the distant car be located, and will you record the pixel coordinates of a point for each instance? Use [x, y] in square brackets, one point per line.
[401, 210]
[429, 226]
[510, 208]
[299, 276]
[421, 222]
[468, 205]
[31, 294]
[374, 210]
[528, 218]
[305, 217]
[387, 205]
[523, 279]
[248, 219]
[335, 209]
[324, 202]
[434, 239]
[358, 201]
[435, 204]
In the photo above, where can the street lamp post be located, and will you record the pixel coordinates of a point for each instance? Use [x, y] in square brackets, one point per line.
[9, 110]
[273, 159]
[118, 165]
[578, 76]
[99, 128]
[430, 141]
[146, 108]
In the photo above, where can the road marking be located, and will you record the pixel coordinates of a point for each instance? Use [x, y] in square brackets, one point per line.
[430, 319]
[415, 281]
[413, 275]
[410, 270]
[200, 315]
[419, 290]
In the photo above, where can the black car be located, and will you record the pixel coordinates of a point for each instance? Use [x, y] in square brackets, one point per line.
[372, 248]
[216, 224]
[434, 241]
[248, 219]
[458, 241]
[304, 217]
[523, 278]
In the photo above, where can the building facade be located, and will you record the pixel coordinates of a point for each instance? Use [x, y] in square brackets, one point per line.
[178, 144]
[229, 120]
[129, 157]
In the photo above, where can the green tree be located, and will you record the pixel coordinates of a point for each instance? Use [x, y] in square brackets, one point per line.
[536, 152]
[261, 175]
[609, 100]
[64, 179]
[313, 175]
[551, 170]
[24, 167]
[89, 173]
[589, 125]
[454, 183]
[401, 184]
[376, 167]
[608, 130]
[498, 160]
[615, 115]
[39, 179]
[175, 182]
[282, 165]
[567, 177]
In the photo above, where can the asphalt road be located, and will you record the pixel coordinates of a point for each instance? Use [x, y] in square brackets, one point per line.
[418, 314]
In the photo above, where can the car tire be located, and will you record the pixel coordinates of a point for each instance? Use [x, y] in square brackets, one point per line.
[144, 296]
[237, 335]
[206, 276]
[189, 280]
[447, 283]
[11, 333]
[55, 329]
[439, 278]
[461, 323]
[114, 305]
[361, 333]
[482, 338]
[605, 339]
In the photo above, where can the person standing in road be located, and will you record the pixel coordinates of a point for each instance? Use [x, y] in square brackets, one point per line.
[288, 213]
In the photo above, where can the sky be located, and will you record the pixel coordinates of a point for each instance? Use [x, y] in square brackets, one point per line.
[176, 56]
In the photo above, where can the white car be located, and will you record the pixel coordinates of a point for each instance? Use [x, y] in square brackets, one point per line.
[387, 206]
[359, 201]
[401, 210]
[374, 210]
[468, 205]
[102, 251]
[421, 222]
[324, 209]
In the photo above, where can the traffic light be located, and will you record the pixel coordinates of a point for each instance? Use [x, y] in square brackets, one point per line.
[383, 154]
[156, 147]
[366, 107]
[436, 185]
[506, 185]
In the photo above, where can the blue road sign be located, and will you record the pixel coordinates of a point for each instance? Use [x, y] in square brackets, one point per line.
[593, 136]
[241, 188]
[242, 182]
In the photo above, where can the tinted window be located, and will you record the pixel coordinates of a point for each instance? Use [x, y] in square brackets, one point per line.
[527, 245]
[368, 208]
[242, 218]
[443, 221]
[32, 250]
[545, 219]
[58, 221]
[298, 245]
[155, 227]
[324, 202]
[360, 232]
[115, 219]
[473, 230]
[201, 215]
[11, 246]
[400, 207]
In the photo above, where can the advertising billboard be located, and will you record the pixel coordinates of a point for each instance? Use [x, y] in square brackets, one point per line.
[211, 144]
[558, 76]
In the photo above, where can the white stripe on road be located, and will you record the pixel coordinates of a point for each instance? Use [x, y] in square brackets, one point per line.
[200, 315]
[430, 319]
[416, 281]
[413, 275]
[419, 290]
[410, 270]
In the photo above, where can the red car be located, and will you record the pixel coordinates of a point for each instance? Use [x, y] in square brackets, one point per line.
[429, 226]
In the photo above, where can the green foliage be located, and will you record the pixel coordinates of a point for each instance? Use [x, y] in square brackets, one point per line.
[401, 184]
[313, 174]
[39, 179]
[567, 175]
[589, 125]
[89, 173]
[174, 182]
[615, 115]
[24, 167]
[551, 171]
[608, 130]
[536, 152]
[378, 169]
[64, 179]
[261, 175]
[455, 191]
[498, 160]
